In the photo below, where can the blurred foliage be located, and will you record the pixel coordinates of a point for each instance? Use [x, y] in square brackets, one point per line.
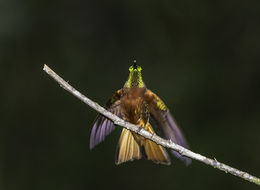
[201, 57]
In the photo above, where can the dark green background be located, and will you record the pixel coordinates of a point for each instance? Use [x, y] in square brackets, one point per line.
[201, 57]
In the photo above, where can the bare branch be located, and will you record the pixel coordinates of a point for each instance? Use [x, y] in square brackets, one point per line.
[165, 143]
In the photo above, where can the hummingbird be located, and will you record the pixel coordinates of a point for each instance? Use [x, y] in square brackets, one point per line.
[137, 104]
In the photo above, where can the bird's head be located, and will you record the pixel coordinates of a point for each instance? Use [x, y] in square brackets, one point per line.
[135, 76]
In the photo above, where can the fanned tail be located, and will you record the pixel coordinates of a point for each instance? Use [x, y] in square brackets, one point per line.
[133, 147]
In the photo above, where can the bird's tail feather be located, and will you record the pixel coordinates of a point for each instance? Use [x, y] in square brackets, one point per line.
[155, 152]
[129, 149]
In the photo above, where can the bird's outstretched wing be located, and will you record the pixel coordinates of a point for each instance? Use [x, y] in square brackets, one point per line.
[166, 124]
[102, 125]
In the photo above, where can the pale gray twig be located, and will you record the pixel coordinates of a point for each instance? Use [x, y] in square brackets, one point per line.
[165, 143]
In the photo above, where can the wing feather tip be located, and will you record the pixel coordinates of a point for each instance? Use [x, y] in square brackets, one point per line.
[186, 160]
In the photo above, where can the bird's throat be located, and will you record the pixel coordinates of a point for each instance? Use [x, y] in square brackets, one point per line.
[134, 80]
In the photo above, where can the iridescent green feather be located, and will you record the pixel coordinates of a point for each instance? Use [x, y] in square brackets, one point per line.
[135, 78]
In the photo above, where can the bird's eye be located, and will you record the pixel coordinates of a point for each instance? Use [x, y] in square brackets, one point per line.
[131, 68]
